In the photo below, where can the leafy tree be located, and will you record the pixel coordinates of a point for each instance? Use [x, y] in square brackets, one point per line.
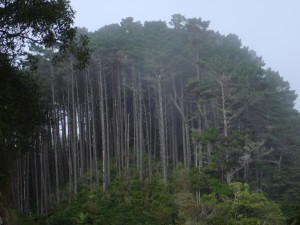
[241, 208]
[294, 217]
[125, 202]
[23, 23]
[20, 116]
[42, 22]
[154, 98]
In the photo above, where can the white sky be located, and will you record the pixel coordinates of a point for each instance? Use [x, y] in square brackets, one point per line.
[269, 27]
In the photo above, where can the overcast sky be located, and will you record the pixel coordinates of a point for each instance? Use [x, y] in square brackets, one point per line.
[269, 27]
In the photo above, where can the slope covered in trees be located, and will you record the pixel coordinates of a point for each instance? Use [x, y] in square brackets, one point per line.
[22, 23]
[155, 98]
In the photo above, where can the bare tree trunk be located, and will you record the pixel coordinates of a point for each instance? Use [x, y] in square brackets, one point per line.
[209, 149]
[79, 135]
[224, 113]
[64, 136]
[127, 153]
[108, 130]
[173, 140]
[135, 121]
[67, 121]
[88, 118]
[162, 136]
[138, 122]
[74, 131]
[185, 128]
[140, 128]
[103, 131]
[37, 197]
[149, 132]
[55, 137]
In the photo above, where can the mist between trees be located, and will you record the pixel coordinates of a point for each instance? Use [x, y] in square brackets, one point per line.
[154, 96]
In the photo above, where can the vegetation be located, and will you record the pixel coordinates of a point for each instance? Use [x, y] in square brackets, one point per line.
[23, 23]
[152, 202]
[166, 125]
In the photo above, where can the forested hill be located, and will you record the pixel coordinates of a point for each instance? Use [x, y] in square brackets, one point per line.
[163, 102]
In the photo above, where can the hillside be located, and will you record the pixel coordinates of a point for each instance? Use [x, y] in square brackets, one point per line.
[168, 124]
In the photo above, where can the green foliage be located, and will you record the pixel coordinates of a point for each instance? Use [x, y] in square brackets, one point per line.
[152, 202]
[242, 208]
[42, 22]
[180, 179]
[246, 205]
[220, 86]
[207, 135]
[198, 178]
[20, 115]
[218, 187]
[294, 217]
[69, 216]
[224, 204]
[125, 202]
[22, 23]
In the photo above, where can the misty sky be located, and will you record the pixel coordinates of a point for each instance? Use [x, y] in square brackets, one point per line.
[269, 27]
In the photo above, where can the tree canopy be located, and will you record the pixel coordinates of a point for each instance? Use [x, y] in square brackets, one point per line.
[40, 22]
[180, 104]
[45, 24]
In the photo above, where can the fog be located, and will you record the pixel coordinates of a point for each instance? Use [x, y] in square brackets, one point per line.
[269, 27]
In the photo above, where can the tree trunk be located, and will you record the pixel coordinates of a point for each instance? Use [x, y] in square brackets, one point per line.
[103, 130]
[55, 139]
[161, 127]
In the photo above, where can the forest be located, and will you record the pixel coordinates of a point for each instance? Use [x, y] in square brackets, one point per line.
[156, 123]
